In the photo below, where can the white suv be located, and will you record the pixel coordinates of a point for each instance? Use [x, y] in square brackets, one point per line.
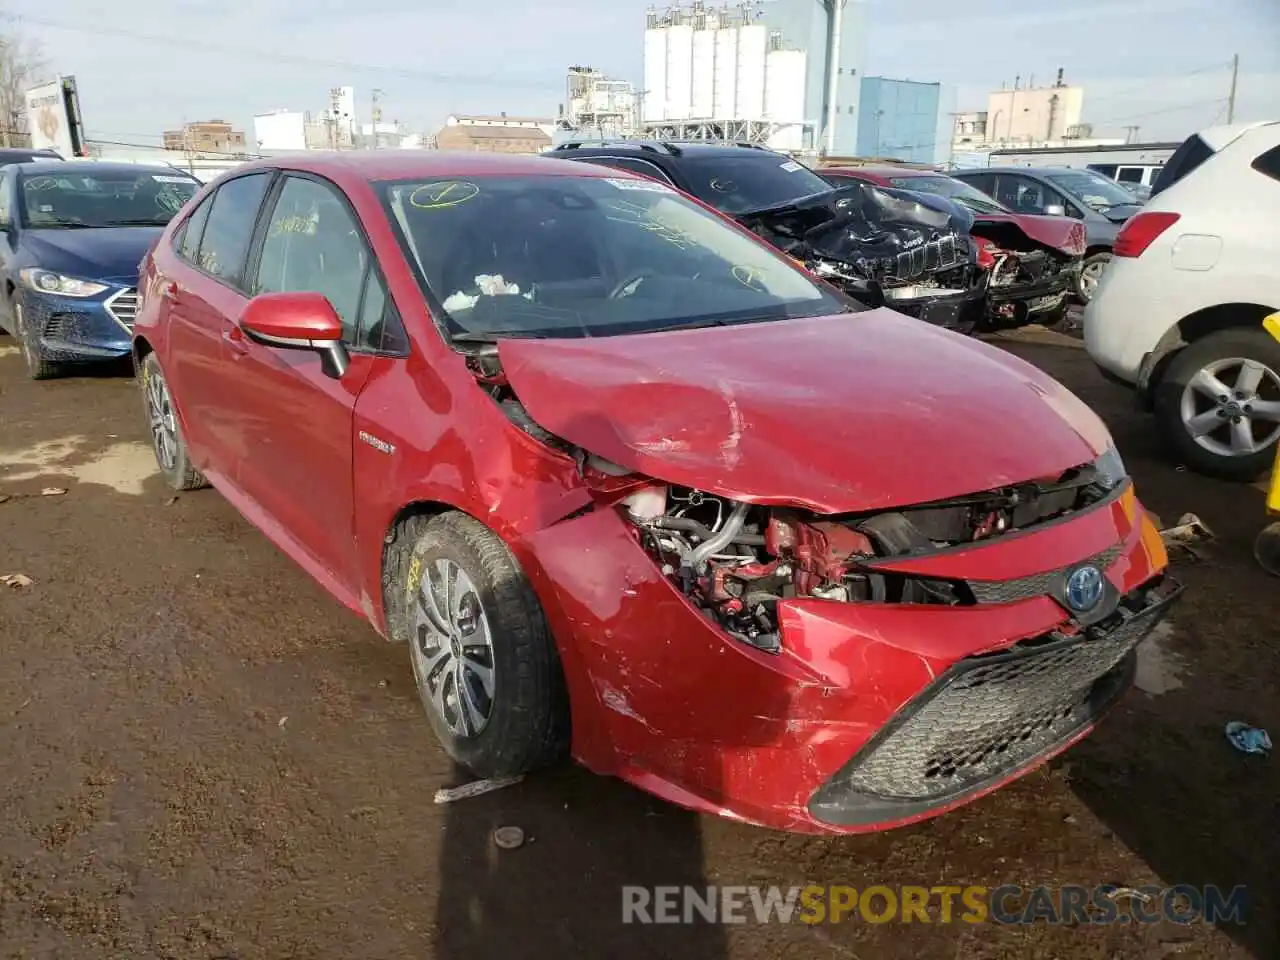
[1179, 311]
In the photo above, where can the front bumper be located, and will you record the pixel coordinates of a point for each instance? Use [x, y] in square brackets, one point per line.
[71, 329]
[664, 699]
[1018, 304]
[961, 312]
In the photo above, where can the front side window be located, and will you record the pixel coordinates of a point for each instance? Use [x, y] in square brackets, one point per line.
[565, 256]
[84, 197]
[755, 180]
[1092, 189]
[229, 229]
[313, 244]
[6, 210]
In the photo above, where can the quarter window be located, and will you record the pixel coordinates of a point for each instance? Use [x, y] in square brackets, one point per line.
[191, 231]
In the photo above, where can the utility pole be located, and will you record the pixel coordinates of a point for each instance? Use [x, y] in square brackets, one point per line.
[375, 112]
[1231, 98]
[1131, 133]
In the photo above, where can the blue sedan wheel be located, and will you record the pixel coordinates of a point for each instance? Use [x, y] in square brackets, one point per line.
[38, 367]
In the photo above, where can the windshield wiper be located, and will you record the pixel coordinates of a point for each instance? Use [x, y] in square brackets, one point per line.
[491, 337]
[149, 222]
[62, 226]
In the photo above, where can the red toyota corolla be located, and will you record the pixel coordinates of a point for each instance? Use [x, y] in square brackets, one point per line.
[633, 486]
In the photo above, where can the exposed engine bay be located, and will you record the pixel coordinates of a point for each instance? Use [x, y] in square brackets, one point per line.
[1026, 280]
[878, 244]
[736, 561]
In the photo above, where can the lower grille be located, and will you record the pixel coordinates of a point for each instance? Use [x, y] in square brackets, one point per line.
[991, 714]
[123, 308]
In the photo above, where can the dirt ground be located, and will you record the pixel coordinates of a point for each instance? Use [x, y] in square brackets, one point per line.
[203, 756]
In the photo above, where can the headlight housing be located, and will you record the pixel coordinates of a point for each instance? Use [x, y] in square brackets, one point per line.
[1109, 469]
[46, 281]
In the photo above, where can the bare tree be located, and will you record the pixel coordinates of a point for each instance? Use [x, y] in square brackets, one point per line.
[22, 66]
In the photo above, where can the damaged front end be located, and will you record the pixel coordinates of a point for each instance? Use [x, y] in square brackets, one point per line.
[737, 562]
[884, 246]
[1029, 279]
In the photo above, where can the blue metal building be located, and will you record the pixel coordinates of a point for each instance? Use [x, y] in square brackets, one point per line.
[899, 119]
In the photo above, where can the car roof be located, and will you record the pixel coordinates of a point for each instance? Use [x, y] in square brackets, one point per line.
[670, 148]
[373, 165]
[69, 167]
[885, 172]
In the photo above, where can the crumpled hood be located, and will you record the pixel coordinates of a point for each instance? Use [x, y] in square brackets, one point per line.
[1063, 234]
[838, 414]
[92, 254]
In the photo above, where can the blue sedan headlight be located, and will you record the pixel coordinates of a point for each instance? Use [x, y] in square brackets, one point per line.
[46, 281]
[1110, 470]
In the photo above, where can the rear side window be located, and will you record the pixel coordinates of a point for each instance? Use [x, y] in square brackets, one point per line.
[229, 229]
[191, 231]
[1268, 164]
[1185, 159]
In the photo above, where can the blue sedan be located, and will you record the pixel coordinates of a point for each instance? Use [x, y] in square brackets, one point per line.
[71, 237]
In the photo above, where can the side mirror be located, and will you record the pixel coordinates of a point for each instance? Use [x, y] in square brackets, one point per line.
[1055, 210]
[298, 321]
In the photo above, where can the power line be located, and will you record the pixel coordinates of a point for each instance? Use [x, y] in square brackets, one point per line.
[99, 30]
[1156, 113]
[1221, 65]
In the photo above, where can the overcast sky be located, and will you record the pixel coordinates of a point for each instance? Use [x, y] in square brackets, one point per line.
[146, 66]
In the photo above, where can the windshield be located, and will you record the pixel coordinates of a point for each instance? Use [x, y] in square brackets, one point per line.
[964, 194]
[1092, 189]
[568, 256]
[753, 181]
[101, 198]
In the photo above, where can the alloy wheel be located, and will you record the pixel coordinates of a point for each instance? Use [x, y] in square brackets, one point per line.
[1089, 278]
[452, 648]
[1231, 407]
[164, 425]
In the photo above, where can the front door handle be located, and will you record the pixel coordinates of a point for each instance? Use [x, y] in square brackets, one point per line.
[168, 289]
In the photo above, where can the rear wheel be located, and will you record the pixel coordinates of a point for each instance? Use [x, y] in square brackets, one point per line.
[1090, 274]
[166, 432]
[38, 367]
[486, 665]
[1218, 404]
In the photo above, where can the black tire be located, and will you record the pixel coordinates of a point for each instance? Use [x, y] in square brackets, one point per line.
[178, 474]
[38, 366]
[1095, 262]
[1251, 344]
[527, 726]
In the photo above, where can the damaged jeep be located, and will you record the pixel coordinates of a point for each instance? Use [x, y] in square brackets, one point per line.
[634, 487]
[1032, 262]
[878, 245]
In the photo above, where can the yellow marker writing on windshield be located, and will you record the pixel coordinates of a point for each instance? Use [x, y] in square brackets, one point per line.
[438, 196]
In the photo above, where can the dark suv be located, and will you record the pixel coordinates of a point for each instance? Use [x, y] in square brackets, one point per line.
[879, 245]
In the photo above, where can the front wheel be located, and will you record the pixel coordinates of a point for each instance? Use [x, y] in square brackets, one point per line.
[486, 665]
[1218, 404]
[166, 432]
[1090, 274]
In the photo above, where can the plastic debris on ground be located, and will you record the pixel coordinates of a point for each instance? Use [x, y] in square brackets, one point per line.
[16, 580]
[475, 789]
[1188, 534]
[508, 838]
[1266, 549]
[1248, 739]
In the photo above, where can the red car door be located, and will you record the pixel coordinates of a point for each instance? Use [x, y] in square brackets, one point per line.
[200, 289]
[293, 422]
